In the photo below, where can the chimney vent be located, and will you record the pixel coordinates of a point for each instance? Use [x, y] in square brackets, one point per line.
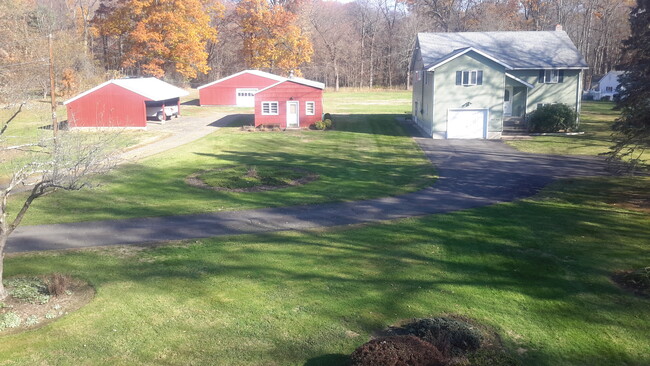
[558, 28]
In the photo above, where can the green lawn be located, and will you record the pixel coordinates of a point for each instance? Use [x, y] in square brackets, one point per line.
[365, 156]
[536, 270]
[595, 121]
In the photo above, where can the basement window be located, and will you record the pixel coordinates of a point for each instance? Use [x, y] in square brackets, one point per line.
[269, 108]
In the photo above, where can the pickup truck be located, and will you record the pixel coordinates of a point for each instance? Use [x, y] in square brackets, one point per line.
[157, 112]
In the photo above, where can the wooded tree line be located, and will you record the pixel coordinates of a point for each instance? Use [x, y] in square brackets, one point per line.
[363, 43]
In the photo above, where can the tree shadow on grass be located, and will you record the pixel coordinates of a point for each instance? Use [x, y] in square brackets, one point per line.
[492, 260]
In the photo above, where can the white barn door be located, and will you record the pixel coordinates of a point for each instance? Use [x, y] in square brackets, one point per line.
[245, 97]
[467, 123]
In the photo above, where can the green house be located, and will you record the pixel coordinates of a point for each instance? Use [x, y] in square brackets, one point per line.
[471, 85]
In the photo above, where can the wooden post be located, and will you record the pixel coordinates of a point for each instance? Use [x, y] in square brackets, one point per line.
[55, 123]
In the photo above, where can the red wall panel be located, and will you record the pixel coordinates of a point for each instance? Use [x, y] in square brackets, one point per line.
[284, 92]
[109, 106]
[223, 93]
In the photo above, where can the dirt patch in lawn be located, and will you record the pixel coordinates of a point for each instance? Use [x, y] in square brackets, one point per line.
[18, 314]
[635, 204]
[636, 281]
[250, 178]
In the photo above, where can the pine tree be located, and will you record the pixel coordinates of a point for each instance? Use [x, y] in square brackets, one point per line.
[632, 129]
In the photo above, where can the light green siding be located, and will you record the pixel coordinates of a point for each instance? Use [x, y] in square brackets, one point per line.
[519, 100]
[567, 92]
[488, 96]
[435, 92]
[422, 103]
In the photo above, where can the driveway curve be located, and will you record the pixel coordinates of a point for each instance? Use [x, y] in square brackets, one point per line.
[472, 173]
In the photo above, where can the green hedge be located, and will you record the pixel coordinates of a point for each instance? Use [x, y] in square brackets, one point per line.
[552, 118]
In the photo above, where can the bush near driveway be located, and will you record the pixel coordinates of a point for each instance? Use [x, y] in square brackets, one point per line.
[552, 118]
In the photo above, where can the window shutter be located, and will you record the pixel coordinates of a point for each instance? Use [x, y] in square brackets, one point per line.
[561, 77]
[541, 76]
[479, 77]
[459, 77]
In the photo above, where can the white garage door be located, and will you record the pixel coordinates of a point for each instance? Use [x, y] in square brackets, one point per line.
[466, 123]
[246, 97]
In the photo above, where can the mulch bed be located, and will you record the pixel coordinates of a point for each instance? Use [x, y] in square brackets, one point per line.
[194, 181]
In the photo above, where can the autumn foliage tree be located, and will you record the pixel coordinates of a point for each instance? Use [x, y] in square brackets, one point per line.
[272, 38]
[156, 37]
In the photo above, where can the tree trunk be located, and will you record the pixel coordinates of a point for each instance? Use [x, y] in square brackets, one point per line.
[3, 242]
[408, 78]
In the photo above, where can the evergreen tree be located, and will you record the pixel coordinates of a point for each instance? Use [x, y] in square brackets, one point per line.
[632, 129]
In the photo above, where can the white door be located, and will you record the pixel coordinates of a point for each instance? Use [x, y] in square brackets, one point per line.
[292, 115]
[245, 97]
[466, 123]
[507, 101]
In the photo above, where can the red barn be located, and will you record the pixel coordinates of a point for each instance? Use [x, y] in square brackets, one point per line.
[124, 103]
[237, 89]
[291, 103]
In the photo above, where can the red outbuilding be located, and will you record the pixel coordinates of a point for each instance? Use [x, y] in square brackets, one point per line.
[291, 103]
[237, 89]
[124, 103]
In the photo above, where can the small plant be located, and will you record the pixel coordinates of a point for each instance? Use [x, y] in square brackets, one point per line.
[9, 320]
[251, 172]
[31, 320]
[29, 289]
[552, 118]
[50, 315]
[328, 123]
[320, 125]
[397, 350]
[58, 284]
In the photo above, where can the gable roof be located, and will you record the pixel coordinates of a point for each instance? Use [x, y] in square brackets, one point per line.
[461, 51]
[519, 50]
[150, 88]
[313, 84]
[253, 72]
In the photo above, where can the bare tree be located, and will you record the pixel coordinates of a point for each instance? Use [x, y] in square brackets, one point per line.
[68, 162]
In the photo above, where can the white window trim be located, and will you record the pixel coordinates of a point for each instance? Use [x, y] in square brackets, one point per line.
[270, 113]
[313, 108]
[551, 76]
[472, 77]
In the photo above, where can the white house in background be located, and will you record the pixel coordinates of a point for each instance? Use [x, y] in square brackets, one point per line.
[605, 88]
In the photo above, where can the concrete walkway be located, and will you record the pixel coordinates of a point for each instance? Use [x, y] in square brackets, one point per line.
[473, 173]
[181, 131]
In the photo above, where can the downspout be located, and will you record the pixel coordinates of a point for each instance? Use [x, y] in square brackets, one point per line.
[578, 99]
[424, 70]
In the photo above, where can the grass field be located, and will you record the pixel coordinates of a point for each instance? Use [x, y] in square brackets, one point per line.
[536, 270]
[366, 156]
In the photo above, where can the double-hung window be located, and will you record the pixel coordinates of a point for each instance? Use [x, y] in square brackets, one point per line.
[310, 108]
[469, 77]
[269, 108]
[551, 76]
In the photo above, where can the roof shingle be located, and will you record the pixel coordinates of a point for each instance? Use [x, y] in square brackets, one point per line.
[520, 50]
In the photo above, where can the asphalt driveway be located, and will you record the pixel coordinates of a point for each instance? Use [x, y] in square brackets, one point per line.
[472, 173]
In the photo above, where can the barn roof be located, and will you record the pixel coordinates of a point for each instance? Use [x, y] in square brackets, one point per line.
[150, 88]
[519, 50]
[254, 72]
[311, 83]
